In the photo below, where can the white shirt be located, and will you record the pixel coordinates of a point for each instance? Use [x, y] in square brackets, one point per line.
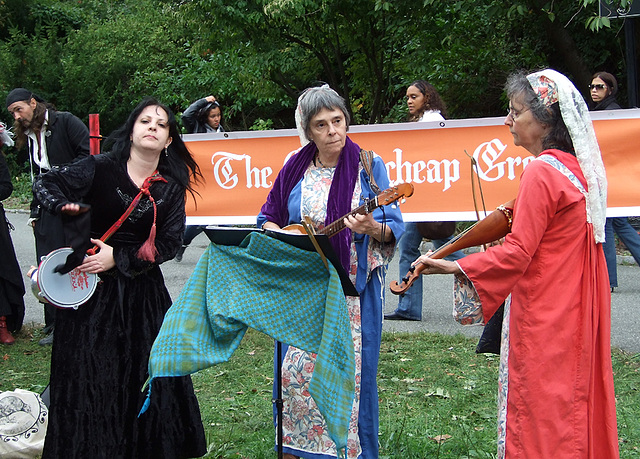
[39, 158]
[431, 115]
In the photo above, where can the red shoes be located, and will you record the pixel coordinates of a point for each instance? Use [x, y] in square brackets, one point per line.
[5, 335]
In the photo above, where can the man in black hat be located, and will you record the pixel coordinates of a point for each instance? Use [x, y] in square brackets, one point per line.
[53, 139]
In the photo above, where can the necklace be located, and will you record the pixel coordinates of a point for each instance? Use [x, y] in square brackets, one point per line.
[320, 161]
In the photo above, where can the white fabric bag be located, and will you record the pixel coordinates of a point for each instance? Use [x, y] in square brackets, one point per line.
[23, 424]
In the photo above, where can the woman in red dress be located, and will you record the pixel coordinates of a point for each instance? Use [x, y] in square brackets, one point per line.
[556, 395]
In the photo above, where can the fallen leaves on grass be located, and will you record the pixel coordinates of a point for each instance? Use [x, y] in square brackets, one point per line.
[440, 439]
[438, 392]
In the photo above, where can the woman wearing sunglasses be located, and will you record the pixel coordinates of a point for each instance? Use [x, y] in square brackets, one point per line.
[603, 90]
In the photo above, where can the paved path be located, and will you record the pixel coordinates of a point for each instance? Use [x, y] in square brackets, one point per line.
[438, 292]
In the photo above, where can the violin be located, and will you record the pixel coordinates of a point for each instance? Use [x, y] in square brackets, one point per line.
[386, 197]
[495, 226]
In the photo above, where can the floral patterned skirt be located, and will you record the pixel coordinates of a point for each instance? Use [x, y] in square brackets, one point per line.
[304, 428]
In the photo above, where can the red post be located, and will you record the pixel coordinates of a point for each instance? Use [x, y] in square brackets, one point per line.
[94, 133]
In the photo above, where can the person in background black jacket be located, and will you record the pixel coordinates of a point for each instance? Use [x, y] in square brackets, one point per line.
[603, 90]
[202, 116]
[11, 285]
[53, 139]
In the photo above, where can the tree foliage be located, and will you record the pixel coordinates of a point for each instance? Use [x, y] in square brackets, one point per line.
[255, 56]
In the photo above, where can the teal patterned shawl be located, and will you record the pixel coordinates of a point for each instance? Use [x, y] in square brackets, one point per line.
[273, 287]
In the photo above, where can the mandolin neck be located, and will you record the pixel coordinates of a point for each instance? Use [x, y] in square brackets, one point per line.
[334, 228]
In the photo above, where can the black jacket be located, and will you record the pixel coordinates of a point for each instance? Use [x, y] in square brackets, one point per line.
[608, 103]
[190, 118]
[67, 138]
[12, 287]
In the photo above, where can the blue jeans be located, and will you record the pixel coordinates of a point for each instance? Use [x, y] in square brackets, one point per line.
[190, 232]
[410, 304]
[630, 238]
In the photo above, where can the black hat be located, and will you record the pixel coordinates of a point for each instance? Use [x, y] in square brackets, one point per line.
[19, 94]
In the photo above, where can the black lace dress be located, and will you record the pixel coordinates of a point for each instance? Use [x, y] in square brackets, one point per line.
[11, 285]
[101, 351]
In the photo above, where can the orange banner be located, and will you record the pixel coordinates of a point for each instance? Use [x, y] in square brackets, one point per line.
[240, 167]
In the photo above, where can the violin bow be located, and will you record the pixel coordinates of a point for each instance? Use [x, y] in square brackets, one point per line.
[474, 171]
[415, 270]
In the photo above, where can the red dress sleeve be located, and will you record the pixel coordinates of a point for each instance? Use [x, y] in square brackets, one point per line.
[543, 195]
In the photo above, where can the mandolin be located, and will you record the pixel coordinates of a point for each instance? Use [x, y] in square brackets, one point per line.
[495, 226]
[388, 196]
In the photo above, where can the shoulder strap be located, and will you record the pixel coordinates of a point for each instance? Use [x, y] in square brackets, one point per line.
[563, 169]
[366, 158]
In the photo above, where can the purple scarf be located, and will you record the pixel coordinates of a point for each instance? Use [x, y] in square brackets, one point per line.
[340, 194]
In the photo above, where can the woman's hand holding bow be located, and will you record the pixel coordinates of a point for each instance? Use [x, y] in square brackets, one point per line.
[436, 266]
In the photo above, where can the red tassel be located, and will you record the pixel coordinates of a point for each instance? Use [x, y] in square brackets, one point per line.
[148, 251]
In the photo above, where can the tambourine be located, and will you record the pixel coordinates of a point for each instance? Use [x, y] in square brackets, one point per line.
[61, 290]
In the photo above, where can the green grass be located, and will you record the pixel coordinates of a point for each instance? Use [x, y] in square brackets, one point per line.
[25, 364]
[21, 196]
[437, 397]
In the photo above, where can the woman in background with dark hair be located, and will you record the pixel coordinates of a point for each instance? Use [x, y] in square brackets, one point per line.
[100, 354]
[424, 104]
[202, 116]
[603, 90]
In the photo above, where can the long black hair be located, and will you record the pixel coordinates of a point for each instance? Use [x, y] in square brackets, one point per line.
[36, 122]
[178, 163]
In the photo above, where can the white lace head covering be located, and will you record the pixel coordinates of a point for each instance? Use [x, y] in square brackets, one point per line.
[550, 87]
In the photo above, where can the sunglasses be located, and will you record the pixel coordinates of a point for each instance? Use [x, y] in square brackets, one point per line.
[597, 86]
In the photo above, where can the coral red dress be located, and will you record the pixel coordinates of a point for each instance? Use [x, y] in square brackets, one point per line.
[556, 386]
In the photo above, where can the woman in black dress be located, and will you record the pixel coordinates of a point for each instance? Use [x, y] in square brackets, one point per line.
[11, 285]
[101, 350]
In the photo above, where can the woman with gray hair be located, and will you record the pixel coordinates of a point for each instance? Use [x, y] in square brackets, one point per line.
[556, 395]
[325, 180]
